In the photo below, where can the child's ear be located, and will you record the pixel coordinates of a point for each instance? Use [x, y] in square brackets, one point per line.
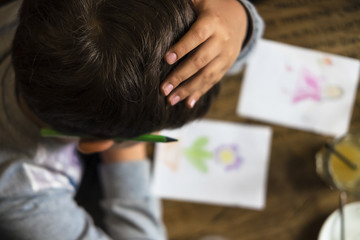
[88, 146]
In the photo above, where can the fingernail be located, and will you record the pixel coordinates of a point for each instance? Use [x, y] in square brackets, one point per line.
[192, 103]
[171, 58]
[168, 88]
[174, 100]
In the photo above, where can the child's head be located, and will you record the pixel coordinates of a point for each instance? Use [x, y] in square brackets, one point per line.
[95, 66]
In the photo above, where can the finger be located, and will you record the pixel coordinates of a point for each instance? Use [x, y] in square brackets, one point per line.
[193, 98]
[87, 146]
[202, 82]
[207, 52]
[198, 33]
[196, 95]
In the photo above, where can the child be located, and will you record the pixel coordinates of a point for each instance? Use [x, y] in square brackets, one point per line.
[85, 67]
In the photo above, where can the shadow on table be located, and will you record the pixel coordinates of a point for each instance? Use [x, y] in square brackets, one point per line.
[301, 170]
[313, 228]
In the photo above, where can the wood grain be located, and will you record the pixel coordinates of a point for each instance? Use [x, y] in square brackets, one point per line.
[298, 201]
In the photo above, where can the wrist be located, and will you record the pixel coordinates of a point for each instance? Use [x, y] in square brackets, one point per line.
[129, 153]
[247, 19]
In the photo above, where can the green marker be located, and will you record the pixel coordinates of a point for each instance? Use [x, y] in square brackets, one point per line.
[48, 132]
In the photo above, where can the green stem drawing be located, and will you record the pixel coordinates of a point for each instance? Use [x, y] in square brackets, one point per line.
[197, 155]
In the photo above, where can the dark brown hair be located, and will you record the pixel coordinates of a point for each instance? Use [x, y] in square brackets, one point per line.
[95, 66]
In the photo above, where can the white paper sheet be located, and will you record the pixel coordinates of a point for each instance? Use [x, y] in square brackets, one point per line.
[299, 88]
[214, 162]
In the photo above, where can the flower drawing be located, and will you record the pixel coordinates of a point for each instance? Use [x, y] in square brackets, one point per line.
[308, 87]
[200, 157]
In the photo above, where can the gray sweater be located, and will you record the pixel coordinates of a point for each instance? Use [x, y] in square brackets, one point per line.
[39, 177]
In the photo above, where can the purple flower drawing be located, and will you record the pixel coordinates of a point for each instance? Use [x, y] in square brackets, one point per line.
[227, 155]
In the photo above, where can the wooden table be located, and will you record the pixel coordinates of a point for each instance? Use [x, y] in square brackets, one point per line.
[298, 201]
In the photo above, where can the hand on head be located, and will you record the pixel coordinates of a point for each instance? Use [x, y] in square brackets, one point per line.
[215, 40]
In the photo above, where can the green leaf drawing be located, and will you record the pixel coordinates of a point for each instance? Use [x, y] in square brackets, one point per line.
[200, 142]
[197, 155]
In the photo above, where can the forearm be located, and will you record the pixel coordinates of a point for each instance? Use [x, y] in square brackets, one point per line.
[255, 31]
[46, 215]
[131, 212]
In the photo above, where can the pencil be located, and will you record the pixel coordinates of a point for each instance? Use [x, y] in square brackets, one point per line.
[147, 138]
[48, 132]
